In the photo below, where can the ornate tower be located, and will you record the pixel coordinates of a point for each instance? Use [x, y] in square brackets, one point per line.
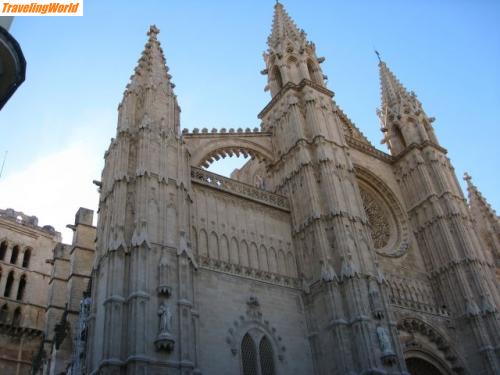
[486, 222]
[460, 270]
[350, 325]
[142, 310]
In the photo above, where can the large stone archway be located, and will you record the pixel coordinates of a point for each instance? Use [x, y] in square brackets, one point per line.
[427, 348]
[207, 147]
[424, 365]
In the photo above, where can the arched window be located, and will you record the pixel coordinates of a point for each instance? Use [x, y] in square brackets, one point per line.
[16, 318]
[3, 249]
[26, 258]
[8, 284]
[312, 72]
[277, 77]
[21, 288]
[249, 356]
[4, 312]
[266, 357]
[15, 253]
[255, 362]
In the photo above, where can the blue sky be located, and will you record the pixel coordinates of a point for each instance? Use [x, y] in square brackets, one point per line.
[58, 124]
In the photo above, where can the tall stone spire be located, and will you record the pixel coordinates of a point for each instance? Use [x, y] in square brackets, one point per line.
[290, 58]
[284, 30]
[151, 70]
[152, 81]
[486, 221]
[143, 230]
[400, 109]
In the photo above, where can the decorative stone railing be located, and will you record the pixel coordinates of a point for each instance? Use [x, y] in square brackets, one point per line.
[229, 185]
[420, 306]
[196, 131]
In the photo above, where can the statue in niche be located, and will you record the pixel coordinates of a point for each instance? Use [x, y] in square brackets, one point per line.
[165, 318]
[165, 340]
[388, 355]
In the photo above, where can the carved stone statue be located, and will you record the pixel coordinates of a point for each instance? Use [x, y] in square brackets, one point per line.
[165, 318]
[385, 341]
[165, 340]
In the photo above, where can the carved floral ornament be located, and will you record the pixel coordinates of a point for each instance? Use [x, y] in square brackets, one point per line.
[387, 219]
[254, 324]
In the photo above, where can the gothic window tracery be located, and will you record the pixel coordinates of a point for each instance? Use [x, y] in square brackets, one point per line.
[248, 356]
[387, 219]
[255, 362]
[380, 229]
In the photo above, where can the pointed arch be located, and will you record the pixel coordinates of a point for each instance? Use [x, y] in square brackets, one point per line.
[249, 356]
[3, 249]
[253, 256]
[313, 70]
[263, 259]
[281, 262]
[292, 268]
[16, 318]
[213, 246]
[273, 261]
[4, 312]
[234, 256]
[194, 238]
[15, 254]
[244, 260]
[26, 257]
[203, 243]
[21, 288]
[224, 248]
[277, 78]
[266, 356]
[8, 284]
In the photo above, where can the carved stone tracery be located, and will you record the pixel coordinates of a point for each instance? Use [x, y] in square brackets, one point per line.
[380, 229]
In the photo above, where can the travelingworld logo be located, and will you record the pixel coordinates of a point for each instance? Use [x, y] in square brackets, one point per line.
[41, 8]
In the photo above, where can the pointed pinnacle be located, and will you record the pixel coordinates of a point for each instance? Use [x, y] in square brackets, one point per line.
[391, 88]
[151, 69]
[283, 27]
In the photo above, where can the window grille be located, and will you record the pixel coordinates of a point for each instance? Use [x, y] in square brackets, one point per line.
[266, 357]
[249, 356]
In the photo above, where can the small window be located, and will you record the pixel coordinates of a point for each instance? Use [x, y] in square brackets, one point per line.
[15, 254]
[16, 319]
[8, 284]
[3, 249]
[277, 77]
[21, 288]
[249, 356]
[4, 312]
[257, 363]
[266, 357]
[26, 258]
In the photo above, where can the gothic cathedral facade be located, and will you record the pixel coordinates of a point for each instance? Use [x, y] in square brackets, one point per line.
[321, 255]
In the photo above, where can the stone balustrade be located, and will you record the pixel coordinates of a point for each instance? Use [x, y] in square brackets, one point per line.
[207, 178]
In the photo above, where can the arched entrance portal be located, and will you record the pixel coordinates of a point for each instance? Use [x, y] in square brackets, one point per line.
[419, 366]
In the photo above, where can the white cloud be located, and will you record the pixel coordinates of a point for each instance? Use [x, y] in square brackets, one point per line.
[53, 187]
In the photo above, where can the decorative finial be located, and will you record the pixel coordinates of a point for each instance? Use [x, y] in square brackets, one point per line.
[153, 31]
[378, 55]
[467, 177]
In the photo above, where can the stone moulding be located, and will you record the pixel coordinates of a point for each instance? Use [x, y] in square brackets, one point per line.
[229, 185]
[248, 272]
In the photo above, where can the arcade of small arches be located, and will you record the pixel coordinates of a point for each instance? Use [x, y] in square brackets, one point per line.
[244, 254]
[5, 246]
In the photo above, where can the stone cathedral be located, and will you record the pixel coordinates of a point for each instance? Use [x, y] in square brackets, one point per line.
[321, 255]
